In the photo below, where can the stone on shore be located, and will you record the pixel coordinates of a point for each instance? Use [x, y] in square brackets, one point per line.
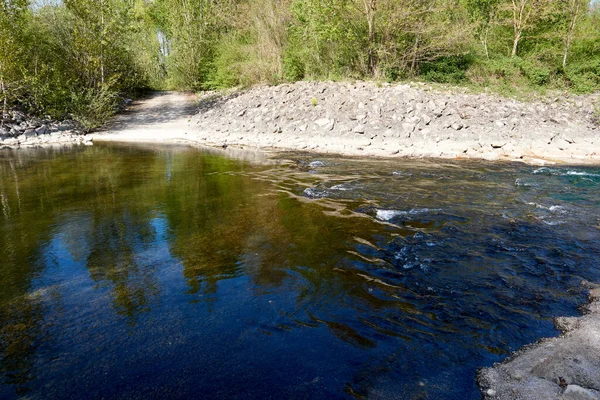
[408, 116]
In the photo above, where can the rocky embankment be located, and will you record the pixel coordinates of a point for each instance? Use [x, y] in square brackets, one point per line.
[410, 120]
[18, 130]
[562, 368]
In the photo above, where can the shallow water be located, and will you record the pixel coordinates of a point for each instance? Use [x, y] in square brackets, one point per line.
[131, 272]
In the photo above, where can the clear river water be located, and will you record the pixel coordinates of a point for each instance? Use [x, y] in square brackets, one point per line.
[165, 272]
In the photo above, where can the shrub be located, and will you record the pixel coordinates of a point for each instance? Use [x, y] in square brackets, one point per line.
[93, 107]
[450, 69]
[584, 77]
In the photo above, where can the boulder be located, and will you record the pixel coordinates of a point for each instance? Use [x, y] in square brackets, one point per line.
[42, 130]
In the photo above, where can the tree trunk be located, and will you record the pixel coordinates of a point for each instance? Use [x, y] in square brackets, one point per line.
[569, 37]
[371, 61]
[415, 53]
[370, 8]
[567, 45]
[484, 41]
[102, 43]
[515, 44]
[4, 95]
[519, 19]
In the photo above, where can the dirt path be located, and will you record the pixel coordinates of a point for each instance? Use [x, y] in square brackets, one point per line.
[162, 117]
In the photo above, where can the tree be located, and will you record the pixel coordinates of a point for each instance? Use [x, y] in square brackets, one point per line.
[13, 17]
[572, 11]
[484, 13]
[525, 15]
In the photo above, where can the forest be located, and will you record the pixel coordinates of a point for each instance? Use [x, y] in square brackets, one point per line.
[78, 58]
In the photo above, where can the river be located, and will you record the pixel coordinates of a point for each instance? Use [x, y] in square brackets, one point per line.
[169, 272]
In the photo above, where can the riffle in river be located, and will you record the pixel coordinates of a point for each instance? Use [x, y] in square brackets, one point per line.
[142, 272]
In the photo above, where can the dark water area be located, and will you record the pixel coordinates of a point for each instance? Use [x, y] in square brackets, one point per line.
[132, 273]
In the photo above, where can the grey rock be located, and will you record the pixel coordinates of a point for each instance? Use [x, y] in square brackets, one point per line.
[29, 133]
[576, 392]
[457, 126]
[18, 116]
[426, 119]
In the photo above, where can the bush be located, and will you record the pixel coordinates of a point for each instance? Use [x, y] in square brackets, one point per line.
[584, 77]
[93, 107]
[535, 72]
[512, 73]
[451, 69]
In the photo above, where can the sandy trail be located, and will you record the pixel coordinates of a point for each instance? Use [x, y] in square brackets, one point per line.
[162, 117]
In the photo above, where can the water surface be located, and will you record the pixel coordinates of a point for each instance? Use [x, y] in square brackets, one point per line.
[131, 272]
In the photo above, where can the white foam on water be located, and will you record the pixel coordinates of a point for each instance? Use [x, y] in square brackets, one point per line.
[386, 215]
[341, 187]
[401, 173]
[555, 208]
[553, 223]
[552, 171]
[314, 164]
[520, 182]
[581, 173]
[314, 193]
[544, 170]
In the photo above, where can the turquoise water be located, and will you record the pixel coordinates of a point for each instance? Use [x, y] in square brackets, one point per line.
[132, 272]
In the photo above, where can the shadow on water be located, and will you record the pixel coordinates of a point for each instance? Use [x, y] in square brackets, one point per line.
[132, 272]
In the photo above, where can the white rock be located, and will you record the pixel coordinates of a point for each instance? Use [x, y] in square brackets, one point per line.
[577, 392]
[408, 129]
[325, 124]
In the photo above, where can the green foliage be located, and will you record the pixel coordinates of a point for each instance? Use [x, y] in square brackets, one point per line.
[74, 57]
[92, 107]
[536, 72]
[450, 69]
[584, 77]
[326, 40]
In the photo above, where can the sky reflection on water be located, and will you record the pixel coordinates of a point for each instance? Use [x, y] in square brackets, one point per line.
[135, 273]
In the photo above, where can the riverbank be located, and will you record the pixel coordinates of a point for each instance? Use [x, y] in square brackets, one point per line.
[565, 367]
[361, 119]
[408, 120]
[18, 130]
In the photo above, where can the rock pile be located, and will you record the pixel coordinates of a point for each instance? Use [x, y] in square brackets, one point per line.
[407, 120]
[19, 130]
